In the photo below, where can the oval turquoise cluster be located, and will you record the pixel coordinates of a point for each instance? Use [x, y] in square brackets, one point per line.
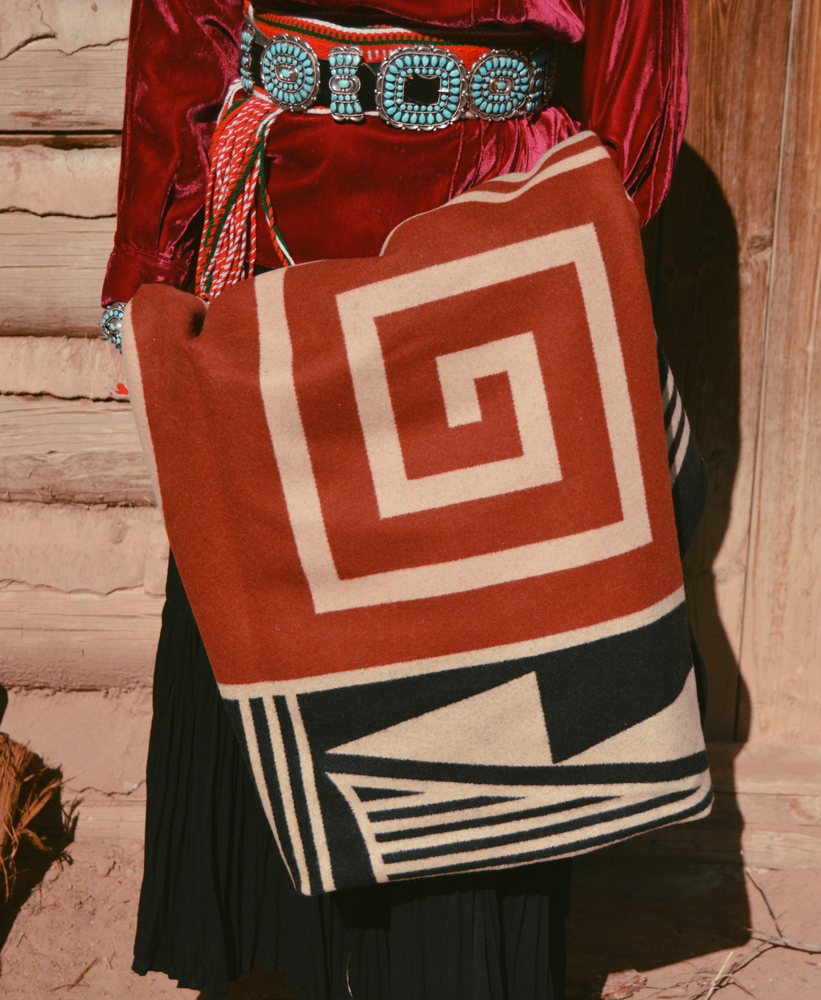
[499, 85]
[428, 63]
[246, 67]
[290, 73]
[344, 83]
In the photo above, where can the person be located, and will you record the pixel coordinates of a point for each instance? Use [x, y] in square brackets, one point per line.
[216, 900]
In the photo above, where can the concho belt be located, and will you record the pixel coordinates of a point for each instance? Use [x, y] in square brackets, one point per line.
[413, 81]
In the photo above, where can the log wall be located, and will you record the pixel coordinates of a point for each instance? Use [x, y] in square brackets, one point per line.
[83, 552]
[734, 261]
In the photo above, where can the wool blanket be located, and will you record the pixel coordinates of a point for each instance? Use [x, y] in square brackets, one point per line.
[422, 508]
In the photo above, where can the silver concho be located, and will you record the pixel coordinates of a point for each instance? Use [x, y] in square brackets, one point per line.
[427, 63]
[344, 83]
[499, 85]
[290, 72]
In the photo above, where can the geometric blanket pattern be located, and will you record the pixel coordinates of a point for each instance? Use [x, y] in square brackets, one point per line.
[425, 509]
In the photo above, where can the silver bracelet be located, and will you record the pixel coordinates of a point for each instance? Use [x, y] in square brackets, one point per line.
[112, 324]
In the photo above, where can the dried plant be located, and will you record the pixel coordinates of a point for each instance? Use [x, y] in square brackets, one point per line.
[26, 786]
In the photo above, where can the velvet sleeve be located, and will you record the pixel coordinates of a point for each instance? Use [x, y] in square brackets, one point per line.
[182, 55]
[634, 94]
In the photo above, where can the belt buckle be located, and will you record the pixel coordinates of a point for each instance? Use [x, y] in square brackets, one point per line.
[290, 72]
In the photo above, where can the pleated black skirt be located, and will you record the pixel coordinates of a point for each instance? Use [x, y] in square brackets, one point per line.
[217, 901]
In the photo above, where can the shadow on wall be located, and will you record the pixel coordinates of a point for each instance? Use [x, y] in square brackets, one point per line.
[693, 271]
[638, 905]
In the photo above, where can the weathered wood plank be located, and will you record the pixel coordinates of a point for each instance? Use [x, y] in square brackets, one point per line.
[62, 140]
[710, 294]
[74, 24]
[768, 842]
[110, 820]
[98, 549]
[67, 367]
[762, 769]
[51, 273]
[766, 810]
[781, 651]
[77, 641]
[99, 739]
[46, 90]
[48, 181]
[20, 21]
[78, 451]
[80, 23]
[761, 848]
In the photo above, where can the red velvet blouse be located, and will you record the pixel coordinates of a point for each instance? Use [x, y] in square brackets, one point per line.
[338, 189]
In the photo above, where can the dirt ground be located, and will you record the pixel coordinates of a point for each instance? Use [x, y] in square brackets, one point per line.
[675, 922]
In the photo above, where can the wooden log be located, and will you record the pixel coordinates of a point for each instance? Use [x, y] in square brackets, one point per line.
[45, 90]
[20, 22]
[56, 451]
[66, 367]
[98, 739]
[761, 848]
[47, 181]
[62, 140]
[761, 769]
[767, 811]
[51, 273]
[781, 652]
[106, 819]
[75, 24]
[77, 641]
[96, 549]
[770, 842]
[760, 785]
[760, 810]
[710, 299]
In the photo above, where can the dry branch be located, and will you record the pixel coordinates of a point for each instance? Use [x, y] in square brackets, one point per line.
[26, 786]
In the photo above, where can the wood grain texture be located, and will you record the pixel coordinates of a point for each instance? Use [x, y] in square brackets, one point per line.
[768, 840]
[760, 847]
[46, 90]
[781, 650]
[62, 140]
[710, 287]
[67, 367]
[20, 21]
[80, 23]
[47, 181]
[767, 811]
[762, 769]
[106, 819]
[77, 641]
[51, 273]
[97, 549]
[71, 451]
